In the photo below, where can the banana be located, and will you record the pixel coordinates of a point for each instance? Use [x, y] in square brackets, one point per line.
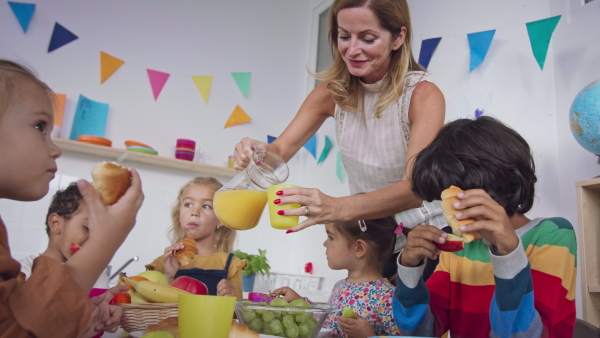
[156, 292]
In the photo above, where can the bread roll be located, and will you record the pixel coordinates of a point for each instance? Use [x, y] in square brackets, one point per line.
[111, 180]
[189, 251]
[448, 199]
[239, 330]
[169, 324]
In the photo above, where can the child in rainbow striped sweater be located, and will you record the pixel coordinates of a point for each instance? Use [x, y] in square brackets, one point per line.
[519, 281]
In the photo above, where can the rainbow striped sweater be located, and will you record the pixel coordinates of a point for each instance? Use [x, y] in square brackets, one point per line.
[475, 293]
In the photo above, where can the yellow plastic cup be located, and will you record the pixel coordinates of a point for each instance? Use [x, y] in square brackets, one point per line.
[278, 221]
[205, 316]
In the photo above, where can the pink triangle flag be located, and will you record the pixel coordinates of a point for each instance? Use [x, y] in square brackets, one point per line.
[157, 81]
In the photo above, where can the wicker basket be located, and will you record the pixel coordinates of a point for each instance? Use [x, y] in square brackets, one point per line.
[137, 316]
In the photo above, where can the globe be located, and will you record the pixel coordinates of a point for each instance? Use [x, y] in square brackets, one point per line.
[584, 118]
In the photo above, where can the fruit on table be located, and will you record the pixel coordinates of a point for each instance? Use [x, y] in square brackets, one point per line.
[191, 285]
[135, 297]
[121, 298]
[74, 247]
[155, 292]
[154, 276]
[348, 313]
[453, 243]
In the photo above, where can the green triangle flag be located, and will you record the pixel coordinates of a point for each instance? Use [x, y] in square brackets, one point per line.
[243, 82]
[540, 33]
[326, 150]
[339, 168]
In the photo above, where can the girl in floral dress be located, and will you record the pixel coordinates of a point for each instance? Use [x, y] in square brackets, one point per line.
[361, 247]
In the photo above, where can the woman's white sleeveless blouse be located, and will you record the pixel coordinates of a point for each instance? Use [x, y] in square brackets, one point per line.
[374, 149]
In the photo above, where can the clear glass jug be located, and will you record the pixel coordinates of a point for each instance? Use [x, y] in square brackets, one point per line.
[241, 201]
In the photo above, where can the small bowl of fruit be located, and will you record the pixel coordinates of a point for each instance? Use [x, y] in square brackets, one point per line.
[280, 318]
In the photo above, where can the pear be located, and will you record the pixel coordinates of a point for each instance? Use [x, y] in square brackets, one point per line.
[155, 276]
[348, 313]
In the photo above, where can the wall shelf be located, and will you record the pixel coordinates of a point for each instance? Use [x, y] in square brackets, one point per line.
[118, 155]
[588, 214]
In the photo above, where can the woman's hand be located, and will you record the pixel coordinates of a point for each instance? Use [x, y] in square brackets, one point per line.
[170, 263]
[356, 328]
[492, 222]
[419, 245]
[225, 288]
[243, 152]
[317, 207]
[287, 293]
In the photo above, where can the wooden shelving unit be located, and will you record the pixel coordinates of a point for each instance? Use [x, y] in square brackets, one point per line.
[119, 155]
[588, 212]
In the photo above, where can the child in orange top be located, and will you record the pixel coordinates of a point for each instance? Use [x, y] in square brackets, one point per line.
[193, 216]
[54, 301]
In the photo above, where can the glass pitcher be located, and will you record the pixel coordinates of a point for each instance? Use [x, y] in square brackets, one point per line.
[241, 201]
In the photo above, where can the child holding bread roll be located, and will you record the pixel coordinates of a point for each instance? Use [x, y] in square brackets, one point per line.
[53, 301]
[202, 246]
[519, 279]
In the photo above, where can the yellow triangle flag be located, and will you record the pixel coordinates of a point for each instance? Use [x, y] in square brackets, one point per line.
[238, 116]
[203, 84]
[108, 65]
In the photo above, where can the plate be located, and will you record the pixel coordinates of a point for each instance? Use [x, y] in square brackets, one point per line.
[136, 334]
[142, 150]
[101, 141]
[129, 143]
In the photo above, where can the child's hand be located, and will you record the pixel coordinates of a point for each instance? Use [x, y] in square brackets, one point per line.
[105, 317]
[419, 245]
[171, 264]
[356, 328]
[287, 293]
[225, 288]
[492, 222]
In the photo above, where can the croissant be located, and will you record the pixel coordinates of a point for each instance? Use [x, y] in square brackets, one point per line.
[448, 199]
[169, 324]
[188, 253]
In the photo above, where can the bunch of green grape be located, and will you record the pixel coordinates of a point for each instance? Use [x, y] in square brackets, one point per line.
[280, 321]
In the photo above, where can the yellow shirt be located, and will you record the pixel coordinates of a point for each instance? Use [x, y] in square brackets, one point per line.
[214, 261]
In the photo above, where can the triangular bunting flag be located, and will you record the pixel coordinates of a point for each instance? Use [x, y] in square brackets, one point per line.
[237, 116]
[270, 139]
[479, 43]
[326, 150]
[540, 33]
[203, 83]
[427, 48]
[60, 37]
[311, 146]
[243, 82]
[108, 65]
[23, 12]
[157, 81]
[339, 168]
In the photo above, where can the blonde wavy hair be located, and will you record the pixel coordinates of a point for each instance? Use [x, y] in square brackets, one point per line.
[344, 87]
[8, 70]
[224, 237]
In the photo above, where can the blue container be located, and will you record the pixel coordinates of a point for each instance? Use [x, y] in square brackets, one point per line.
[248, 282]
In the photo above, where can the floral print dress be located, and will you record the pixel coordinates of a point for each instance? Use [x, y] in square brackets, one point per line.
[371, 300]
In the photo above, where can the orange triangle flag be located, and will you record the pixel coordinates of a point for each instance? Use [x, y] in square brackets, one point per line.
[238, 116]
[108, 65]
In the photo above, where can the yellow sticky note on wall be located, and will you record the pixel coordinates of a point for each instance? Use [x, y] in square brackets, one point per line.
[59, 108]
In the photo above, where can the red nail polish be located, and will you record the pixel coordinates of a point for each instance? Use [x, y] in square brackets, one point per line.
[288, 231]
[279, 193]
[277, 201]
[280, 212]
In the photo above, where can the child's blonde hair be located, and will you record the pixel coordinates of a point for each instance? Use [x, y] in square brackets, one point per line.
[8, 70]
[224, 236]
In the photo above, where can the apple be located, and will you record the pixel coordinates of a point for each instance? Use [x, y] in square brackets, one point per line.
[453, 243]
[74, 247]
[154, 276]
[121, 298]
[191, 285]
[158, 334]
[348, 313]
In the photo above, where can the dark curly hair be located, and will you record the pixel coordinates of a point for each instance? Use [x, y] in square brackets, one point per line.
[477, 154]
[64, 203]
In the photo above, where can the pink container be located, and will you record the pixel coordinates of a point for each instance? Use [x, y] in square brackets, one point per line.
[255, 296]
[185, 149]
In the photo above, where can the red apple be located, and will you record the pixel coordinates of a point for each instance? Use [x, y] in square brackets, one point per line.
[453, 243]
[74, 247]
[191, 285]
[122, 298]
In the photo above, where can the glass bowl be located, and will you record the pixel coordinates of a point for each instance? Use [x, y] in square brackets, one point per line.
[284, 320]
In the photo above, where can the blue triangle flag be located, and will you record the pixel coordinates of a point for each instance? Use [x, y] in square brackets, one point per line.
[23, 12]
[479, 43]
[60, 37]
[270, 139]
[427, 48]
[311, 146]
